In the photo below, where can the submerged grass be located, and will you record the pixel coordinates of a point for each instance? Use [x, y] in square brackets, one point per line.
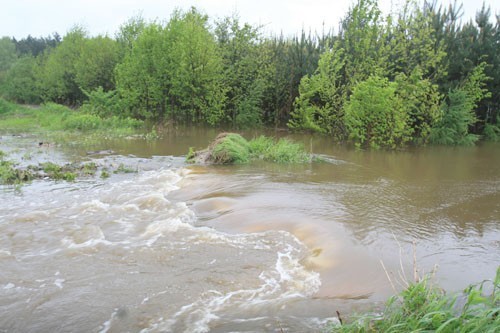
[12, 173]
[422, 307]
[9, 174]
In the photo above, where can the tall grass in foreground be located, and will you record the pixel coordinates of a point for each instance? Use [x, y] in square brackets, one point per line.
[423, 307]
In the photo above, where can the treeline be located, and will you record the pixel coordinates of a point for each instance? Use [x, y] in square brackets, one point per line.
[414, 77]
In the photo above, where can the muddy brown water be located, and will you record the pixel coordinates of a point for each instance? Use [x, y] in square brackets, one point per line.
[252, 248]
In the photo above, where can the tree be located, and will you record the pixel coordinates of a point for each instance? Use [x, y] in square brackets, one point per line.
[244, 71]
[458, 113]
[7, 57]
[468, 46]
[361, 38]
[420, 101]
[94, 67]
[128, 34]
[58, 72]
[320, 104]
[174, 72]
[412, 42]
[21, 82]
[197, 71]
[36, 46]
[141, 78]
[373, 115]
[357, 54]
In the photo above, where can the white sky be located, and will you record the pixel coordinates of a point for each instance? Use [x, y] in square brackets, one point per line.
[19, 18]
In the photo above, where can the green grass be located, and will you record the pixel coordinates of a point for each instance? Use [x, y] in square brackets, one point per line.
[278, 151]
[55, 117]
[423, 307]
[57, 172]
[232, 148]
[124, 169]
[10, 175]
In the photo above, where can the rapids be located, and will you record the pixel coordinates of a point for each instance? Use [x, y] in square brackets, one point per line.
[251, 248]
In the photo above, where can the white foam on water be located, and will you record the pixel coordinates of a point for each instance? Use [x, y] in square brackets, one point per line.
[138, 213]
[107, 324]
[129, 213]
[288, 280]
[59, 283]
[9, 286]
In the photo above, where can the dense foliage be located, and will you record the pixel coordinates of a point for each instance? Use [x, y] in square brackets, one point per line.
[417, 76]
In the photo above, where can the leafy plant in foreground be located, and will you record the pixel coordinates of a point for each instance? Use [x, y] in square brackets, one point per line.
[425, 308]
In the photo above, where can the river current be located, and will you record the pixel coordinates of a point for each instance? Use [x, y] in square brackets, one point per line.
[254, 248]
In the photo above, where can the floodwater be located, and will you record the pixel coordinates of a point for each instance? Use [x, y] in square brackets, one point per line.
[253, 248]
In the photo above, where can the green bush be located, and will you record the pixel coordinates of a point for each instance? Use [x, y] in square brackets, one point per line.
[6, 107]
[453, 127]
[491, 132]
[374, 115]
[102, 103]
[82, 122]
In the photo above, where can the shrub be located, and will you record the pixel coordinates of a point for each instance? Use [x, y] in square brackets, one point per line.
[453, 128]
[374, 116]
[6, 107]
[102, 103]
[82, 122]
[492, 131]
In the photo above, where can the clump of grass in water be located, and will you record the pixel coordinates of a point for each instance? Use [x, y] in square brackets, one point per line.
[124, 169]
[281, 151]
[58, 172]
[9, 174]
[422, 307]
[89, 169]
[104, 174]
[232, 148]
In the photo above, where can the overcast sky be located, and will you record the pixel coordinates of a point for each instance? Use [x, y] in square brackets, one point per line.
[19, 18]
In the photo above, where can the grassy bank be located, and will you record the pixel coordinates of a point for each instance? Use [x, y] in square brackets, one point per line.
[423, 307]
[53, 117]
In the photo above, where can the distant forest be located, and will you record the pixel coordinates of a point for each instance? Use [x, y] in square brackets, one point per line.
[415, 77]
